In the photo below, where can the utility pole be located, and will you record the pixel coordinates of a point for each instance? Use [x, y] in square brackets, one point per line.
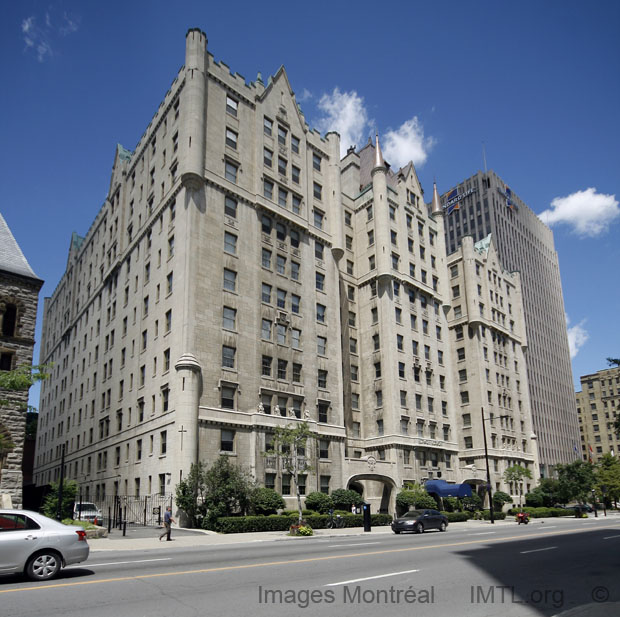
[486, 458]
[62, 481]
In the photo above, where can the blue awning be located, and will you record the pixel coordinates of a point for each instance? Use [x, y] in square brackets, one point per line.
[441, 488]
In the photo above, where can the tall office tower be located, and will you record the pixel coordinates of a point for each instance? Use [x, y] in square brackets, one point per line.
[239, 277]
[484, 204]
[598, 406]
[19, 296]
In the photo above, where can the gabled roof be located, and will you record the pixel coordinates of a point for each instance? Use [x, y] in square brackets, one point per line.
[11, 257]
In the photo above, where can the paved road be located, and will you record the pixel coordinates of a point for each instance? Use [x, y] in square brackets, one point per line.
[545, 568]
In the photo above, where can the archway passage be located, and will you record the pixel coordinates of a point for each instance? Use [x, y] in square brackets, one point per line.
[377, 490]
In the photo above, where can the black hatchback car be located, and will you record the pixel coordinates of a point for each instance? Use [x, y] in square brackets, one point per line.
[419, 521]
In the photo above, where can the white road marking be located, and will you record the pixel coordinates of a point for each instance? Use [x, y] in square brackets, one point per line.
[537, 550]
[118, 563]
[609, 537]
[357, 544]
[547, 527]
[370, 578]
[482, 533]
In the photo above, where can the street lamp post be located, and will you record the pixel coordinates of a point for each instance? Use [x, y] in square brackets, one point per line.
[486, 458]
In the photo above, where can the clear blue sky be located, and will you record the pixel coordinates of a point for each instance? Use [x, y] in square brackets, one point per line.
[537, 82]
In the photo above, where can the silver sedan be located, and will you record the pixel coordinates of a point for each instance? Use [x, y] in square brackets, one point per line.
[38, 546]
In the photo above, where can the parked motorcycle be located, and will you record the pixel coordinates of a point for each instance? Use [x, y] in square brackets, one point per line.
[523, 517]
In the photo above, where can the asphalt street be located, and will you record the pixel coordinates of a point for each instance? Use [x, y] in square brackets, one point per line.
[559, 567]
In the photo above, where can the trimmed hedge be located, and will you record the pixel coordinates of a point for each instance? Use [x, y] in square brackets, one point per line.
[246, 524]
[498, 516]
[457, 517]
[543, 512]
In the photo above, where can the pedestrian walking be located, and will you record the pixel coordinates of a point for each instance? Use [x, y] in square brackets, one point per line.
[168, 520]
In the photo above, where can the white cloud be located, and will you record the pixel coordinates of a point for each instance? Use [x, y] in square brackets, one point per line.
[577, 336]
[40, 38]
[588, 213]
[305, 95]
[407, 143]
[345, 113]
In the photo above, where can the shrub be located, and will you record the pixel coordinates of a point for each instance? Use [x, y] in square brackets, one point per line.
[245, 524]
[416, 498]
[450, 504]
[457, 517]
[304, 530]
[499, 499]
[265, 501]
[343, 499]
[296, 512]
[472, 503]
[320, 502]
[498, 516]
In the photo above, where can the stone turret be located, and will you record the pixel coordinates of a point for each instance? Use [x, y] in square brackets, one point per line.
[382, 216]
[192, 136]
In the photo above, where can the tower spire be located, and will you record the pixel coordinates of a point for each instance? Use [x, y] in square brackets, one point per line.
[436, 204]
[379, 162]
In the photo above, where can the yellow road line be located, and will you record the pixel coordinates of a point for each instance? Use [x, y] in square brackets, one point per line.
[290, 561]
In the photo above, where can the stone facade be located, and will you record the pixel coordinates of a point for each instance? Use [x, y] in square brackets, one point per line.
[241, 276]
[486, 205]
[19, 292]
[598, 406]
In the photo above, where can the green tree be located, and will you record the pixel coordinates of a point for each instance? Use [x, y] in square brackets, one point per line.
[472, 503]
[20, 379]
[514, 476]
[343, 499]
[613, 361]
[265, 501]
[69, 492]
[607, 477]
[319, 502]
[190, 495]
[575, 481]
[414, 496]
[546, 494]
[499, 499]
[289, 446]
[228, 489]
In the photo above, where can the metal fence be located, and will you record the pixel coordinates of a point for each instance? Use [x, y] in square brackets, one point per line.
[145, 510]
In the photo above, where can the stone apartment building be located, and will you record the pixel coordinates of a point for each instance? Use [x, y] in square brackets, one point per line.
[238, 277]
[598, 406]
[484, 204]
[19, 295]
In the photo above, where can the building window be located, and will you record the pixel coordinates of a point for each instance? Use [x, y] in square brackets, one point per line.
[324, 484]
[323, 411]
[266, 366]
[319, 217]
[266, 258]
[320, 313]
[231, 106]
[229, 318]
[268, 189]
[230, 280]
[228, 397]
[227, 440]
[281, 298]
[267, 126]
[230, 243]
[320, 281]
[321, 345]
[296, 372]
[230, 207]
[295, 144]
[317, 190]
[296, 204]
[295, 303]
[230, 171]
[280, 264]
[294, 270]
[323, 448]
[228, 356]
[295, 173]
[282, 133]
[231, 139]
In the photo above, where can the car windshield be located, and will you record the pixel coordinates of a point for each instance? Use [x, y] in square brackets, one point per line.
[84, 507]
[412, 514]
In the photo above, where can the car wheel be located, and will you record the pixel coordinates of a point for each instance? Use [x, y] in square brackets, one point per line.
[43, 566]
[442, 526]
[419, 528]
[396, 530]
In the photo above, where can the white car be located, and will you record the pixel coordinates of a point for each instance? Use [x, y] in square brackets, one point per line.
[86, 511]
[38, 546]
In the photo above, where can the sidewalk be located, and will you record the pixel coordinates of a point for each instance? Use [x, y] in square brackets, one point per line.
[199, 537]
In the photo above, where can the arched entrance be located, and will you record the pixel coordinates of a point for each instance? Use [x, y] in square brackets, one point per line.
[377, 490]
